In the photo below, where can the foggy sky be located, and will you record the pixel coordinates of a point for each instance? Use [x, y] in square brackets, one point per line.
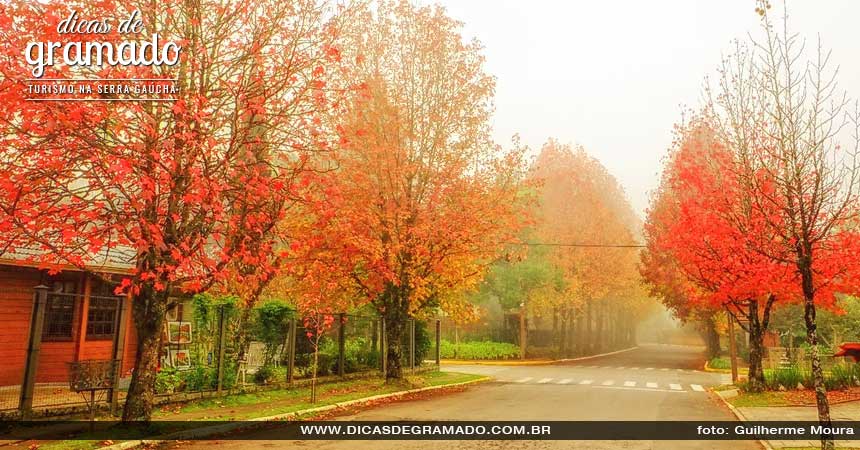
[613, 75]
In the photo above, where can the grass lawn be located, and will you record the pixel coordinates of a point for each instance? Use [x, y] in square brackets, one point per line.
[767, 398]
[805, 397]
[269, 403]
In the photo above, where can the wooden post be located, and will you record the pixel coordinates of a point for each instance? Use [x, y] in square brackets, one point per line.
[37, 321]
[291, 352]
[732, 348]
[84, 315]
[384, 350]
[522, 331]
[118, 353]
[438, 344]
[222, 332]
[412, 345]
[341, 345]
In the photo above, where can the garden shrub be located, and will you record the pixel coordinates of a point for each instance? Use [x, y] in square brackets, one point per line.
[720, 363]
[167, 380]
[787, 377]
[479, 350]
[270, 374]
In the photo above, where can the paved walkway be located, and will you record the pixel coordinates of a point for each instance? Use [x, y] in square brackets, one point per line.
[844, 411]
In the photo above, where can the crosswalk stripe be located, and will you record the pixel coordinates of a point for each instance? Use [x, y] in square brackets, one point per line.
[664, 369]
[650, 368]
[608, 383]
[524, 380]
[629, 383]
[622, 367]
[697, 387]
[675, 387]
[586, 382]
[565, 381]
[634, 368]
[651, 385]
[544, 380]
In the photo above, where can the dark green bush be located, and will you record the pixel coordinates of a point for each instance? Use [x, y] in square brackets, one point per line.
[167, 380]
[205, 378]
[720, 363]
[270, 374]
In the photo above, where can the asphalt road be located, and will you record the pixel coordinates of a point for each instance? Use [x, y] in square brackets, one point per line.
[654, 382]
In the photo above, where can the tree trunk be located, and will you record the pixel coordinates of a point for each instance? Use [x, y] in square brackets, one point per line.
[396, 317]
[148, 309]
[562, 341]
[712, 338]
[589, 331]
[243, 333]
[805, 268]
[756, 371]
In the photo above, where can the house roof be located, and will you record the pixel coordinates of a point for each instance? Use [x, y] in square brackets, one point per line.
[118, 259]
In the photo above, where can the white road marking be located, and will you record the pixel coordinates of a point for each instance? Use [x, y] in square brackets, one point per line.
[634, 368]
[675, 386]
[544, 380]
[565, 381]
[524, 380]
[639, 389]
[697, 387]
[608, 383]
[665, 369]
[622, 367]
[629, 383]
[651, 385]
[586, 382]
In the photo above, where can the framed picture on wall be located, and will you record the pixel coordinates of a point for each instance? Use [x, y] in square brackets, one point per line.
[179, 332]
[172, 314]
[181, 358]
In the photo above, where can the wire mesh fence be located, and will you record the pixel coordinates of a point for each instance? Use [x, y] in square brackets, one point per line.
[205, 351]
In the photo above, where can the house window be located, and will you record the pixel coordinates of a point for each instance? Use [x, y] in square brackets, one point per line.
[101, 317]
[60, 312]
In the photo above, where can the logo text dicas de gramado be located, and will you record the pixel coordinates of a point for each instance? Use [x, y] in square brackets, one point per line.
[77, 53]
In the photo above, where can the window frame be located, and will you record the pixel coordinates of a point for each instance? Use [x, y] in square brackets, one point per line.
[97, 304]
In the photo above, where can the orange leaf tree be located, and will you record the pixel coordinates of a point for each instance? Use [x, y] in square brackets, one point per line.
[581, 203]
[418, 200]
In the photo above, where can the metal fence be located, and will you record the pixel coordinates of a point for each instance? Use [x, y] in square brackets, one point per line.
[202, 354]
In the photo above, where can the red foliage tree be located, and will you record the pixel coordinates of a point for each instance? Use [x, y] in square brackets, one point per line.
[701, 224]
[183, 188]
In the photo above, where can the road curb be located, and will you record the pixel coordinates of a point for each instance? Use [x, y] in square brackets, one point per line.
[542, 362]
[239, 425]
[764, 443]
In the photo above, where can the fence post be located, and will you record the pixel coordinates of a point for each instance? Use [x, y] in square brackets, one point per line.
[438, 344]
[412, 345]
[222, 333]
[37, 321]
[118, 351]
[341, 345]
[384, 341]
[291, 352]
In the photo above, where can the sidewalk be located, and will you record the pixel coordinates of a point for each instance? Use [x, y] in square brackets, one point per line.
[843, 411]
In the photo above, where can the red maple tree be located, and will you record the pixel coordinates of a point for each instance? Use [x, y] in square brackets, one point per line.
[183, 189]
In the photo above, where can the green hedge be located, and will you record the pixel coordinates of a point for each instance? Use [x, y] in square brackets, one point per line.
[479, 350]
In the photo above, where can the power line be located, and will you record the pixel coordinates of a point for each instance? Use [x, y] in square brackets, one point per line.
[557, 244]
